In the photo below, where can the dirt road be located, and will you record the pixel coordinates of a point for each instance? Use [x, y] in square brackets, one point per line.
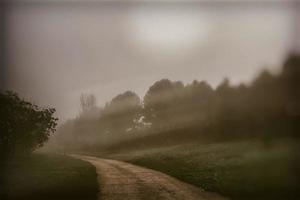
[123, 181]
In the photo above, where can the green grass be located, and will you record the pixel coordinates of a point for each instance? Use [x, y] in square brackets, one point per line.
[45, 176]
[239, 170]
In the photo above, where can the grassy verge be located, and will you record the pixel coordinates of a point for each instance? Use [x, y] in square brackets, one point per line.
[240, 170]
[44, 176]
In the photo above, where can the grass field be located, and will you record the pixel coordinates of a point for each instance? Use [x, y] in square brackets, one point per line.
[239, 170]
[45, 176]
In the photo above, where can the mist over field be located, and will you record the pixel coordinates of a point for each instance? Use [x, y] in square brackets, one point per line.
[149, 100]
[57, 51]
[173, 113]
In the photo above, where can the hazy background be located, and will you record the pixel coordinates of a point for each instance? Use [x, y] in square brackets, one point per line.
[56, 51]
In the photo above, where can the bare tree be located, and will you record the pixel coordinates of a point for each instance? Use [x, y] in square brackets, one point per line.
[87, 102]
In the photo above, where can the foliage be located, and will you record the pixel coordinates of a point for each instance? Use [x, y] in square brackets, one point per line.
[266, 108]
[119, 115]
[23, 125]
[101, 126]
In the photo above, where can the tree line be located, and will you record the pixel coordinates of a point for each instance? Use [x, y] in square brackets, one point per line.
[268, 107]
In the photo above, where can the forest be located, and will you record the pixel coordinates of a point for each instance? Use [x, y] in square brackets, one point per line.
[171, 113]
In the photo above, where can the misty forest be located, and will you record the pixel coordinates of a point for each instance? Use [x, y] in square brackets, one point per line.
[172, 113]
[176, 128]
[138, 100]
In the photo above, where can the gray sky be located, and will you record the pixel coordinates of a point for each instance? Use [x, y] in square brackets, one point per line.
[58, 51]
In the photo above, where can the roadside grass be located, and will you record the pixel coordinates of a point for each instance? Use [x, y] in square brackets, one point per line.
[48, 176]
[238, 170]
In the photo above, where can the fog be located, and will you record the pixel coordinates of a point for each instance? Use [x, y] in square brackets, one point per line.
[57, 51]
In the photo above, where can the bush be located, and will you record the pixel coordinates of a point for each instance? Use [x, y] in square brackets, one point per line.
[23, 125]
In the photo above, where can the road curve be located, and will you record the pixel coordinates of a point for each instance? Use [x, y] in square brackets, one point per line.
[123, 181]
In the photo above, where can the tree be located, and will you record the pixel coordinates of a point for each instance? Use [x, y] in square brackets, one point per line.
[121, 113]
[199, 99]
[291, 82]
[23, 125]
[88, 107]
[162, 103]
[87, 102]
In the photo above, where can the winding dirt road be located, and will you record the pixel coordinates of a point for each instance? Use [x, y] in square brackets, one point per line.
[123, 181]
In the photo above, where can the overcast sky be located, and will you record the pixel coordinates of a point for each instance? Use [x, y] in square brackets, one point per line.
[58, 51]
